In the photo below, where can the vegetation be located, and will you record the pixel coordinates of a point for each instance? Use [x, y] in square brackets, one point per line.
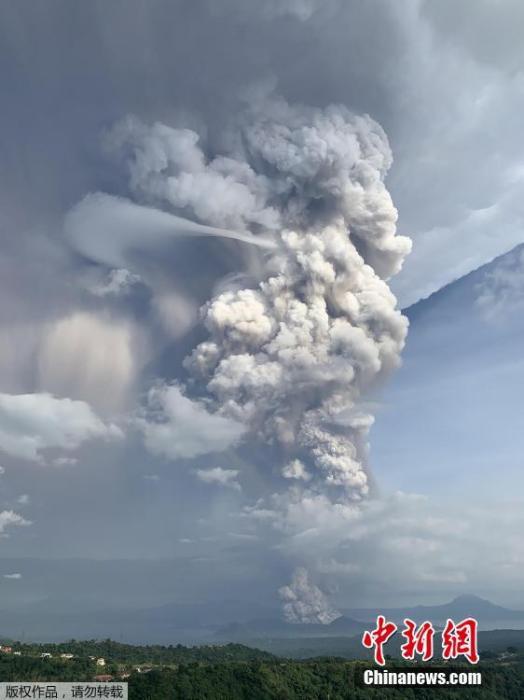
[318, 679]
[236, 672]
[154, 654]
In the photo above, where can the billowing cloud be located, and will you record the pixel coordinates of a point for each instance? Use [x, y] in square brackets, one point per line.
[296, 470]
[169, 165]
[291, 356]
[303, 602]
[291, 350]
[32, 423]
[176, 426]
[457, 180]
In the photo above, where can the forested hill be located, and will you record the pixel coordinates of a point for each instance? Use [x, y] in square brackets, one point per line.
[150, 654]
[236, 672]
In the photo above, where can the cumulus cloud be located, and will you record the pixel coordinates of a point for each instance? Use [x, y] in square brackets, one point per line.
[176, 426]
[8, 518]
[295, 470]
[217, 475]
[303, 602]
[118, 281]
[32, 423]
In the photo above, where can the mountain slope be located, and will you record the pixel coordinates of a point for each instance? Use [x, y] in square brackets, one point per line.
[460, 607]
[450, 420]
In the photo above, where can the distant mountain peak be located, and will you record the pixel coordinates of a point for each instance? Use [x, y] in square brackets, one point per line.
[470, 598]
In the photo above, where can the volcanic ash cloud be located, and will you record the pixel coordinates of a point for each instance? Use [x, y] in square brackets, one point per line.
[290, 355]
[303, 602]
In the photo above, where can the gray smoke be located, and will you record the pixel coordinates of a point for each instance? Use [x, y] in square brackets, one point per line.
[303, 602]
[291, 355]
[106, 229]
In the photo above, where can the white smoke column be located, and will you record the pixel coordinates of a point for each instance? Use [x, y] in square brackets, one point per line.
[303, 602]
[291, 356]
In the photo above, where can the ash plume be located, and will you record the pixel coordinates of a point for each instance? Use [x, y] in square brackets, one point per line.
[292, 354]
[303, 602]
[291, 357]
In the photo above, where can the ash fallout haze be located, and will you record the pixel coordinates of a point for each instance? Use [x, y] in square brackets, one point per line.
[260, 310]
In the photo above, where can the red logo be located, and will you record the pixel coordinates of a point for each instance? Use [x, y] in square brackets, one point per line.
[419, 640]
[378, 637]
[458, 639]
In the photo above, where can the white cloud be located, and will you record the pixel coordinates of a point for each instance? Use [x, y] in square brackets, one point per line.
[8, 518]
[119, 281]
[427, 546]
[23, 499]
[217, 475]
[175, 426]
[296, 470]
[30, 423]
[14, 577]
